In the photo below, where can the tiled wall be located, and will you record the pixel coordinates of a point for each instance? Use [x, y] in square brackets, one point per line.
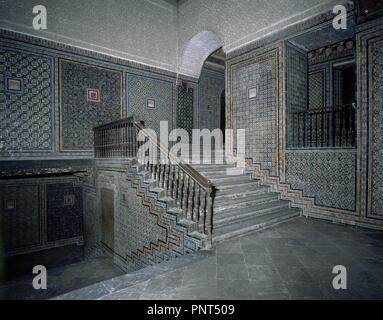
[160, 92]
[79, 113]
[26, 100]
[141, 231]
[52, 95]
[327, 175]
[185, 109]
[40, 213]
[259, 115]
[376, 154]
[370, 99]
[323, 79]
[296, 85]
[212, 85]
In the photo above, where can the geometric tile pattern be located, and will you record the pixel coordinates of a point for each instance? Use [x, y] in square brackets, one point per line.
[144, 232]
[35, 212]
[79, 115]
[185, 109]
[140, 89]
[21, 224]
[211, 85]
[297, 78]
[377, 131]
[64, 218]
[337, 87]
[296, 90]
[141, 225]
[25, 115]
[258, 116]
[317, 90]
[329, 176]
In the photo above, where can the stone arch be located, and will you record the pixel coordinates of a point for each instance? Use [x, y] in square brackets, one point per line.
[196, 51]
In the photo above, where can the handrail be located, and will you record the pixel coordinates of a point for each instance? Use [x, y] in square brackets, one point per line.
[202, 181]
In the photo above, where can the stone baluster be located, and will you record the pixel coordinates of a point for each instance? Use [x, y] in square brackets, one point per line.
[196, 203]
[166, 178]
[185, 193]
[209, 216]
[201, 227]
[180, 187]
[170, 180]
[190, 199]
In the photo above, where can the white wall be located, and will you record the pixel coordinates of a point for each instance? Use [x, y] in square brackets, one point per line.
[239, 22]
[144, 31]
[156, 32]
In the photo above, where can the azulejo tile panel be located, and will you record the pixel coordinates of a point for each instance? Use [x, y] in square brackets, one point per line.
[326, 175]
[212, 84]
[140, 89]
[64, 211]
[79, 115]
[26, 107]
[20, 222]
[296, 87]
[185, 109]
[142, 226]
[376, 130]
[259, 117]
[316, 90]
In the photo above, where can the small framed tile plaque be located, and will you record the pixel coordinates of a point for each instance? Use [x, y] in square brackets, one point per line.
[93, 95]
[151, 103]
[69, 200]
[14, 85]
[252, 92]
[10, 205]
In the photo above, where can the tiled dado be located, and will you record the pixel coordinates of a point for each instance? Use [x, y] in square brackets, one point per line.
[140, 231]
[40, 213]
[328, 176]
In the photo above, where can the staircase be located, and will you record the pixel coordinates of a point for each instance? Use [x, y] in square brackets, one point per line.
[241, 204]
[204, 201]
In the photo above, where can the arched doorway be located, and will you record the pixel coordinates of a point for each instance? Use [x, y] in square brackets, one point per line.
[196, 51]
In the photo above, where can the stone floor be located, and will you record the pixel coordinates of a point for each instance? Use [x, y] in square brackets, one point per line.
[293, 260]
[62, 279]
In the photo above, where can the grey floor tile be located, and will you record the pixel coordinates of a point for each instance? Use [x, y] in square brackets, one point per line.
[230, 258]
[252, 259]
[232, 272]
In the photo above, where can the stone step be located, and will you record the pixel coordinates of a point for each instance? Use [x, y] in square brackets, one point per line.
[240, 191]
[224, 173]
[230, 180]
[256, 223]
[251, 201]
[243, 183]
[246, 213]
[239, 198]
[204, 168]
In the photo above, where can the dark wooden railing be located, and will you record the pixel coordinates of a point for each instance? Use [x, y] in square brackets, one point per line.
[331, 127]
[192, 192]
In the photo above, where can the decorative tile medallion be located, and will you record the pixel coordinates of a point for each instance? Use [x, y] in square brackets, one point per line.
[93, 95]
[14, 85]
[252, 92]
[151, 103]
